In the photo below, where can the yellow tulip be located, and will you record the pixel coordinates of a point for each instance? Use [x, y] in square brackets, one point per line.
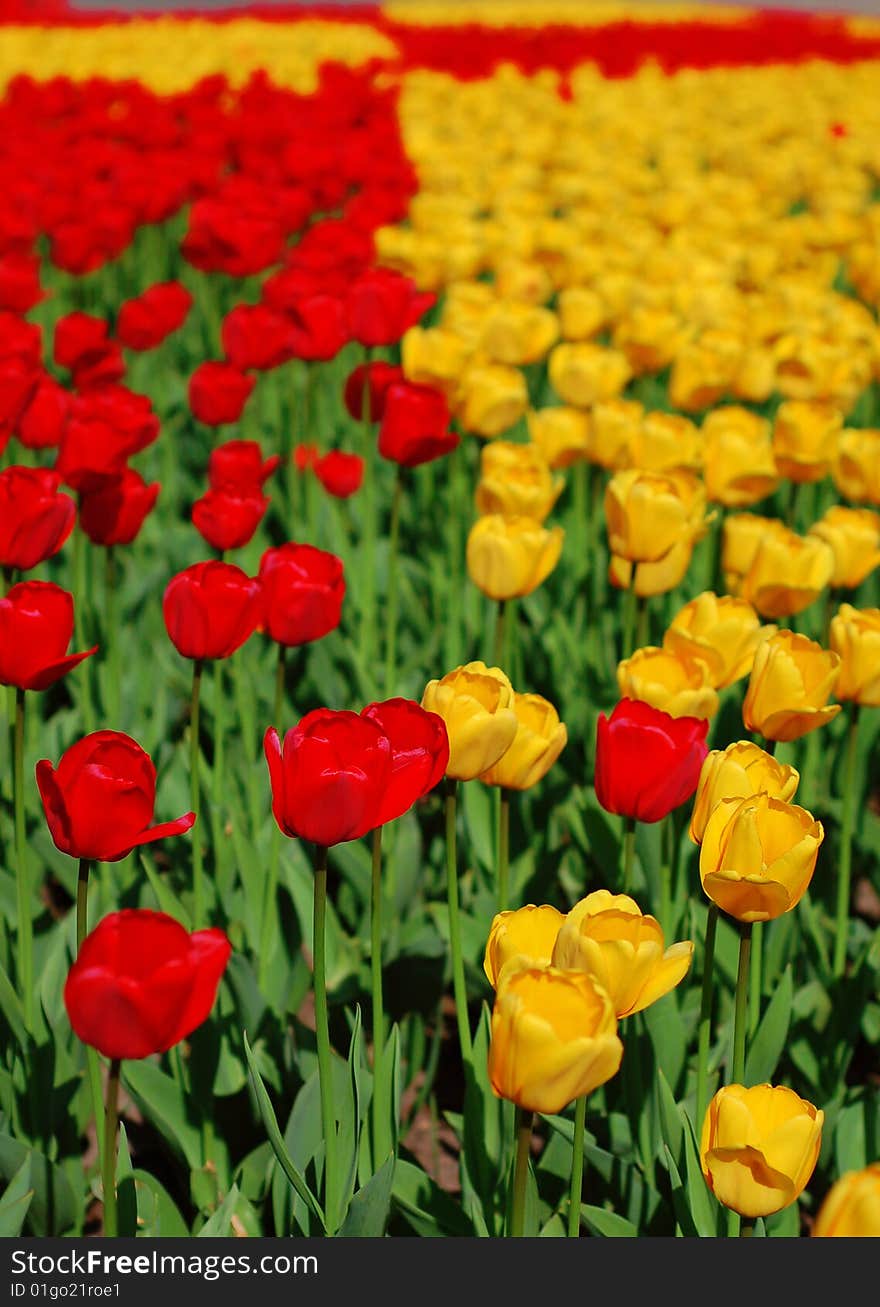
[758, 856]
[703, 371]
[738, 464]
[856, 469]
[649, 337]
[805, 435]
[724, 632]
[738, 772]
[476, 703]
[656, 578]
[539, 740]
[523, 280]
[490, 399]
[510, 556]
[788, 691]
[614, 424]
[647, 513]
[526, 935]
[581, 311]
[515, 479]
[554, 1038]
[434, 356]
[666, 442]
[584, 373]
[516, 334]
[759, 1147]
[681, 687]
[851, 1209]
[741, 537]
[562, 434]
[854, 537]
[607, 935]
[755, 378]
[788, 573]
[855, 638]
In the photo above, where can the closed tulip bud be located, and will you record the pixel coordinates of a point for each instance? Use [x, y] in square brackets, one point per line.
[704, 370]
[539, 740]
[113, 509]
[526, 936]
[562, 434]
[724, 632]
[658, 578]
[615, 422]
[218, 393]
[738, 464]
[759, 1147]
[508, 557]
[738, 772]
[647, 762]
[607, 936]
[791, 681]
[805, 435]
[340, 473]
[476, 703]
[36, 626]
[582, 313]
[554, 1038]
[583, 373]
[681, 687]
[855, 638]
[856, 468]
[518, 334]
[649, 337]
[515, 479]
[851, 1209]
[788, 573]
[854, 537]
[228, 519]
[491, 399]
[238, 466]
[758, 856]
[433, 356]
[741, 536]
[302, 589]
[210, 609]
[35, 517]
[648, 513]
[666, 442]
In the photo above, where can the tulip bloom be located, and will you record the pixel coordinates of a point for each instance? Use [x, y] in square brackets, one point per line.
[515, 480]
[419, 753]
[738, 772]
[476, 703]
[583, 373]
[856, 470]
[491, 399]
[647, 762]
[112, 510]
[792, 678]
[680, 686]
[855, 638]
[805, 435]
[554, 1038]
[42, 423]
[653, 522]
[254, 336]
[608, 936]
[382, 305]
[563, 435]
[851, 1209]
[758, 856]
[302, 590]
[508, 557]
[742, 536]
[788, 573]
[329, 777]
[374, 378]
[340, 474]
[144, 322]
[527, 935]
[539, 740]
[238, 467]
[415, 425]
[614, 423]
[210, 609]
[739, 467]
[36, 626]
[141, 983]
[759, 1147]
[99, 801]
[227, 519]
[218, 393]
[666, 442]
[35, 517]
[854, 537]
[724, 632]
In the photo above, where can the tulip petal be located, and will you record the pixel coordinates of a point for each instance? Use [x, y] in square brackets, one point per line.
[54, 671]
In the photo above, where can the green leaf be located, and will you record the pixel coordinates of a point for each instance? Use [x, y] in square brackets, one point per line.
[10, 1006]
[270, 1121]
[608, 1224]
[53, 1208]
[670, 1119]
[221, 1222]
[702, 1204]
[164, 1103]
[158, 1216]
[368, 1211]
[15, 1201]
[126, 1193]
[426, 1207]
[765, 1049]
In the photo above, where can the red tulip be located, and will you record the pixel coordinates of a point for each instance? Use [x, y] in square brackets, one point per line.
[141, 983]
[42, 423]
[99, 802]
[302, 591]
[20, 340]
[376, 377]
[255, 336]
[20, 286]
[647, 763]
[419, 753]
[113, 509]
[238, 466]
[35, 518]
[144, 322]
[329, 777]
[36, 626]
[382, 305]
[317, 328]
[339, 473]
[82, 344]
[415, 425]
[227, 519]
[18, 381]
[210, 609]
[305, 456]
[218, 393]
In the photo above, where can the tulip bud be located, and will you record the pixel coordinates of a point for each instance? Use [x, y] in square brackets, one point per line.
[791, 680]
[724, 632]
[539, 740]
[526, 935]
[583, 373]
[851, 1209]
[856, 468]
[855, 638]
[854, 537]
[515, 480]
[517, 334]
[433, 356]
[615, 422]
[476, 703]
[805, 435]
[666, 442]
[562, 434]
[647, 762]
[491, 399]
[739, 467]
[739, 771]
[788, 573]
[509, 557]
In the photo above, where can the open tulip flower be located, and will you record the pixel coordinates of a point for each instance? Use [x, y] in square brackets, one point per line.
[36, 626]
[759, 1147]
[724, 632]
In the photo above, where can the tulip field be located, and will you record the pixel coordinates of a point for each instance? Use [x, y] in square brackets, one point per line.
[440, 623]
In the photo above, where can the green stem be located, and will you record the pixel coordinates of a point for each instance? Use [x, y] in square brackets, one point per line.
[280, 676]
[80, 613]
[322, 1032]
[629, 622]
[82, 900]
[740, 1022]
[195, 796]
[498, 645]
[393, 565]
[577, 1169]
[627, 852]
[111, 638]
[368, 499]
[503, 850]
[705, 1026]
[520, 1172]
[23, 879]
[267, 920]
[217, 767]
[454, 561]
[755, 981]
[841, 928]
[381, 1141]
[459, 984]
[92, 1063]
[110, 1124]
[642, 623]
[667, 836]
